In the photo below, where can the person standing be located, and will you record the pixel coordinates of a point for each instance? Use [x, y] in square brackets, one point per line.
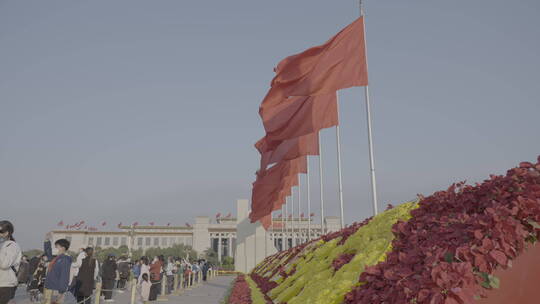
[86, 277]
[145, 268]
[123, 273]
[24, 267]
[108, 277]
[170, 271]
[155, 278]
[144, 288]
[10, 258]
[35, 287]
[57, 279]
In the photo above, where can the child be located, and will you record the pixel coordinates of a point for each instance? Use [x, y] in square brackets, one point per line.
[144, 288]
[57, 279]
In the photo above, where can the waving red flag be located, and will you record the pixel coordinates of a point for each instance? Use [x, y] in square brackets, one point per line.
[339, 63]
[60, 224]
[274, 185]
[135, 224]
[218, 215]
[288, 149]
[151, 223]
[104, 224]
[297, 116]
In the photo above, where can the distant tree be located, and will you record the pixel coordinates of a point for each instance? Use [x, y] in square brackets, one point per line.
[177, 250]
[32, 253]
[211, 256]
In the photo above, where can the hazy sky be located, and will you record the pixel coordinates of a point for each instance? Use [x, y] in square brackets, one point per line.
[124, 111]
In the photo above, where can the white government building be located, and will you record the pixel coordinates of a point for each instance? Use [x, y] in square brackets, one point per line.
[233, 237]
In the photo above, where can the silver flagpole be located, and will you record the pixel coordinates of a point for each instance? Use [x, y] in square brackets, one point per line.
[298, 235]
[308, 201]
[287, 221]
[321, 184]
[370, 135]
[340, 178]
[292, 214]
[292, 217]
[282, 227]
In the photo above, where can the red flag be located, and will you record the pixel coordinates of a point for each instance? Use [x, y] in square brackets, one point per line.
[61, 223]
[290, 216]
[302, 215]
[339, 63]
[280, 216]
[297, 116]
[104, 224]
[229, 215]
[312, 214]
[273, 185]
[82, 222]
[288, 149]
[218, 215]
[135, 224]
[188, 225]
[151, 223]
[266, 221]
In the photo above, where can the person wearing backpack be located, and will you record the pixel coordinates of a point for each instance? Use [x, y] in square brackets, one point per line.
[10, 258]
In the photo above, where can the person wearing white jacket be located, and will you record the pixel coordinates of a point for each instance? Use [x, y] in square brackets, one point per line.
[10, 258]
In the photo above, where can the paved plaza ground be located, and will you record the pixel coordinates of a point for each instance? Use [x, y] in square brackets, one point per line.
[210, 292]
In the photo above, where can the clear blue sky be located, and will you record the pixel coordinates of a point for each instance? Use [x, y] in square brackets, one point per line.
[124, 111]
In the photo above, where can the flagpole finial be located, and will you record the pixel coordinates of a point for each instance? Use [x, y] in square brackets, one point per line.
[361, 7]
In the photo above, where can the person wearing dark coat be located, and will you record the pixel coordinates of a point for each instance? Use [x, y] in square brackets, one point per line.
[204, 270]
[22, 275]
[84, 282]
[123, 272]
[108, 277]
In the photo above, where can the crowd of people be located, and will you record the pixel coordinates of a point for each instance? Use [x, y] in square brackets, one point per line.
[48, 278]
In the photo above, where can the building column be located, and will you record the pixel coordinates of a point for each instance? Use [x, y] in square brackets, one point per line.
[219, 248]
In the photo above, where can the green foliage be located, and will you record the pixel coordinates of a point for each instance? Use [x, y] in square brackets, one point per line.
[178, 250]
[32, 253]
[101, 254]
[211, 256]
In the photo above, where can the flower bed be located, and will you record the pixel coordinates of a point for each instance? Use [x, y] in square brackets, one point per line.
[455, 240]
[241, 292]
[443, 249]
[310, 273]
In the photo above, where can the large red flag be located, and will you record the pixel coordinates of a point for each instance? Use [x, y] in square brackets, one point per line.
[297, 116]
[288, 149]
[339, 63]
[273, 185]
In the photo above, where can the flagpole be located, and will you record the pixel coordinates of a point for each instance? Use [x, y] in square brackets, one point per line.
[340, 178]
[369, 128]
[287, 221]
[298, 218]
[282, 228]
[292, 214]
[308, 201]
[321, 183]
